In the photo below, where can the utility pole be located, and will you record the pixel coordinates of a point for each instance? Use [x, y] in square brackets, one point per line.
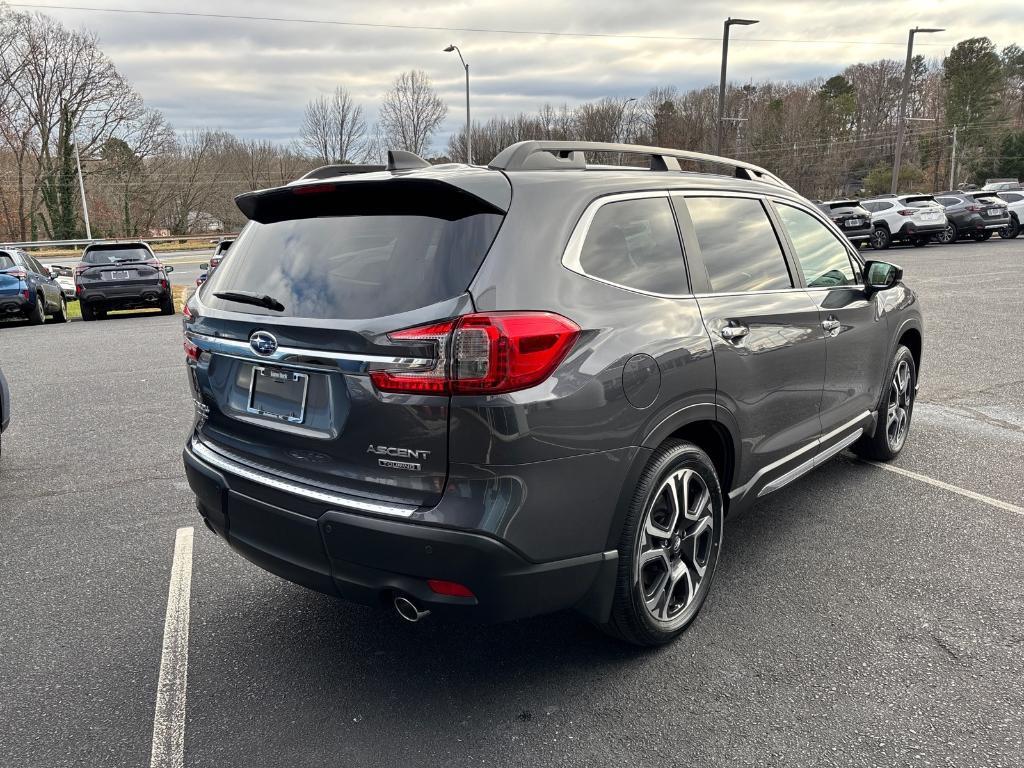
[81, 188]
[719, 127]
[901, 123]
[952, 161]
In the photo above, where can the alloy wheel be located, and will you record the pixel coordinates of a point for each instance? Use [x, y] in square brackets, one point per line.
[945, 236]
[675, 545]
[897, 416]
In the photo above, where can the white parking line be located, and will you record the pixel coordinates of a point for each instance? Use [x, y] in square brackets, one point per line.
[997, 503]
[169, 716]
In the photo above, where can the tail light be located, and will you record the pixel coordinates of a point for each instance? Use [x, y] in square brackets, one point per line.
[192, 352]
[906, 212]
[973, 208]
[186, 312]
[17, 272]
[485, 354]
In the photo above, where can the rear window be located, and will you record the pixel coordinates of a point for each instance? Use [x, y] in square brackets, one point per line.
[353, 267]
[6, 262]
[1011, 197]
[843, 205]
[113, 255]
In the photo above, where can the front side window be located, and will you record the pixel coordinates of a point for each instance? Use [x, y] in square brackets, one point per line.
[738, 243]
[635, 244]
[823, 259]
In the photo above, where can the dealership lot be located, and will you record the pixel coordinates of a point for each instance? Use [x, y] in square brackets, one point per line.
[860, 616]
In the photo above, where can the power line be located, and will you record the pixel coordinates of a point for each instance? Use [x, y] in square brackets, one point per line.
[428, 28]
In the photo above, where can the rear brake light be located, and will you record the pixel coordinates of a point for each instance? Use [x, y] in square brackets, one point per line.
[906, 212]
[186, 312]
[450, 588]
[313, 189]
[485, 353]
[192, 352]
[973, 208]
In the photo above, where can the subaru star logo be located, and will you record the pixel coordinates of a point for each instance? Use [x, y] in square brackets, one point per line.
[263, 343]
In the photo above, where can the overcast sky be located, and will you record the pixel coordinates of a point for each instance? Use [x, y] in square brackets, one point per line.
[254, 77]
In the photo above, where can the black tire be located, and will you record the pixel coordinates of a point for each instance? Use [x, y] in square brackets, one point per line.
[880, 238]
[981, 237]
[1011, 230]
[920, 241]
[884, 445]
[100, 314]
[38, 314]
[689, 544]
[87, 311]
[167, 305]
[61, 315]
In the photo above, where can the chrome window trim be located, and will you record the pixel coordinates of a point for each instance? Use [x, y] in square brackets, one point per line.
[317, 359]
[264, 477]
[818, 441]
[574, 248]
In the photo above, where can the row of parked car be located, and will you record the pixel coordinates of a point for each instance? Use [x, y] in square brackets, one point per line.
[918, 219]
[109, 277]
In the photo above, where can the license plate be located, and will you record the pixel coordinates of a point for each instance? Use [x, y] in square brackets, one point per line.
[278, 394]
[931, 215]
[123, 275]
[994, 211]
[853, 222]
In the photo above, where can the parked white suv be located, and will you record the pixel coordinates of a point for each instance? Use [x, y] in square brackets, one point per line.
[909, 219]
[1015, 205]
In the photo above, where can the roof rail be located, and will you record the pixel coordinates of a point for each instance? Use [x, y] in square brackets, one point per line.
[339, 169]
[551, 155]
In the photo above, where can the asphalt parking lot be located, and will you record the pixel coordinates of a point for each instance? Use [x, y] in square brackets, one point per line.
[860, 617]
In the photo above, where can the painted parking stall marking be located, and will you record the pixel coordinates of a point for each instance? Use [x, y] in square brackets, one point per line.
[997, 503]
[169, 715]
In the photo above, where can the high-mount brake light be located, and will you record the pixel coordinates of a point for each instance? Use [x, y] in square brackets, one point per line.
[485, 353]
[312, 189]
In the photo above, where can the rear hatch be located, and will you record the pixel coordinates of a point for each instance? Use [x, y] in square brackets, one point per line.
[284, 384]
[10, 276]
[927, 211]
[992, 209]
[848, 214]
[118, 266]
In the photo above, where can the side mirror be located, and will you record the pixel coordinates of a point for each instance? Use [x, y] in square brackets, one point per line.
[168, 268]
[204, 266]
[880, 275]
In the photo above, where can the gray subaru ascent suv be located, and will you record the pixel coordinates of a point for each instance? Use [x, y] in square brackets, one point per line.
[495, 392]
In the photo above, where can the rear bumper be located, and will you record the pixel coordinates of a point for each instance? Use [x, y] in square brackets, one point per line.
[135, 296]
[12, 304]
[368, 559]
[911, 229]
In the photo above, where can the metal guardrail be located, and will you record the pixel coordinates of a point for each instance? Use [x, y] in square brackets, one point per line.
[82, 243]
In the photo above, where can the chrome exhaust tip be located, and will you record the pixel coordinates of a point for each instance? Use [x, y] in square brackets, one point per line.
[408, 610]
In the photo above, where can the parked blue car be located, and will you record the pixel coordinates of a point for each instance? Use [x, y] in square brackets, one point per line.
[28, 290]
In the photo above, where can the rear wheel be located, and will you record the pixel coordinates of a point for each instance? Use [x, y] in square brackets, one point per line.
[38, 313]
[980, 237]
[880, 238]
[670, 545]
[895, 410]
[920, 241]
[167, 305]
[87, 311]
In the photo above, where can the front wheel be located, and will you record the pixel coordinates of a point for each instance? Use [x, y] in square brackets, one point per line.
[948, 235]
[880, 238]
[670, 545]
[1010, 231]
[895, 411]
[61, 315]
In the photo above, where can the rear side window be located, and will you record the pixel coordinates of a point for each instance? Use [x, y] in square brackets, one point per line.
[823, 259]
[635, 244]
[947, 201]
[1011, 197]
[353, 267]
[738, 243]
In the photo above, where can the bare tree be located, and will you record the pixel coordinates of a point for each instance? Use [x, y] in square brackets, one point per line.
[411, 112]
[334, 128]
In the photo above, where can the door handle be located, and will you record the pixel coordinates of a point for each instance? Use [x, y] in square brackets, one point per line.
[831, 326]
[733, 332]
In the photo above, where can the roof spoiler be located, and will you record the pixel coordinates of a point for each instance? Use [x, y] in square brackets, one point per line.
[569, 155]
[339, 169]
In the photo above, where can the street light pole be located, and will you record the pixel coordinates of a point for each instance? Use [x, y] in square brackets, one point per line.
[952, 162]
[719, 127]
[901, 122]
[81, 188]
[469, 129]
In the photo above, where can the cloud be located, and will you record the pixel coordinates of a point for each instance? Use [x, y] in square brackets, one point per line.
[254, 77]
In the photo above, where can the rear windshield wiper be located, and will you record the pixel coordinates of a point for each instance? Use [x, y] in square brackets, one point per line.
[244, 297]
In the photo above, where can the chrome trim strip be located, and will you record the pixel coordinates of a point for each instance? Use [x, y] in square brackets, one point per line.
[255, 476]
[738, 492]
[296, 357]
[815, 461]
